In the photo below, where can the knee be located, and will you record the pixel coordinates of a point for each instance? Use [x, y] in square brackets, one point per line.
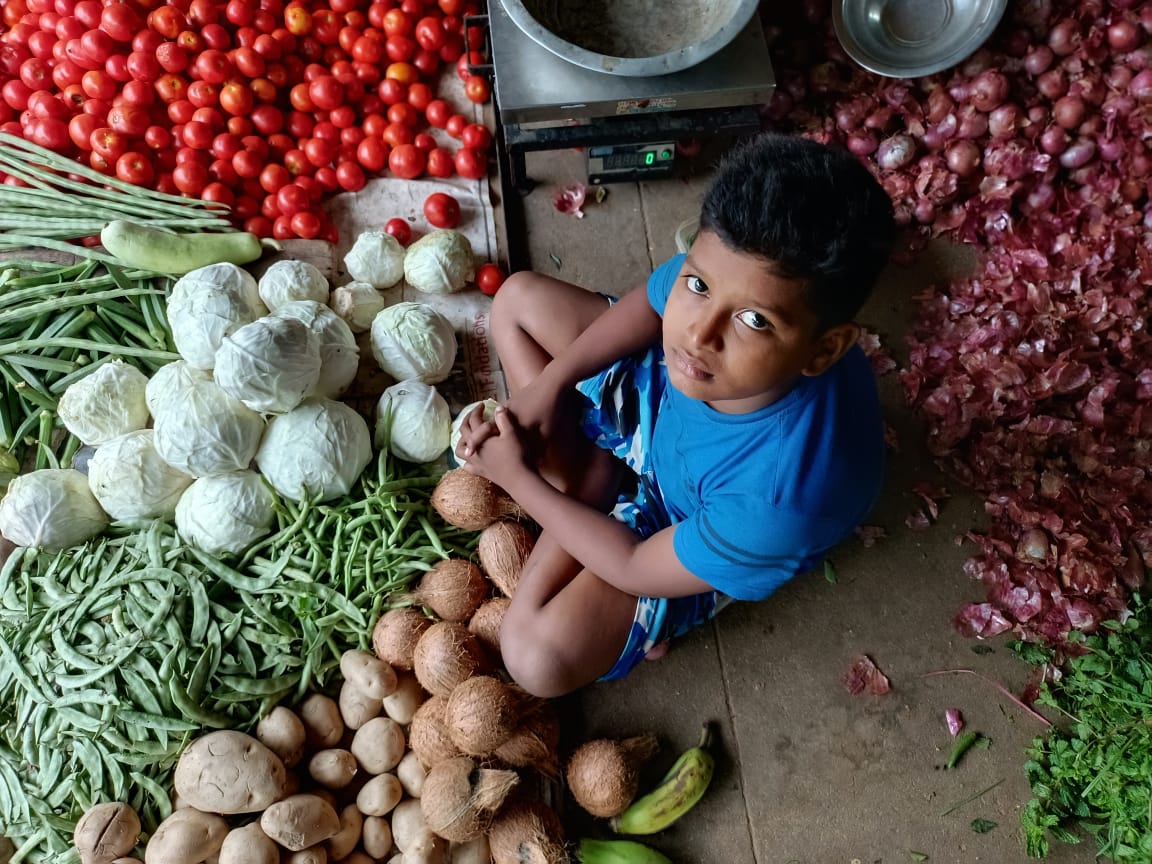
[511, 300]
[530, 660]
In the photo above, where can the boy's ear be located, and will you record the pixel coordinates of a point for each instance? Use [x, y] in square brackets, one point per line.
[831, 345]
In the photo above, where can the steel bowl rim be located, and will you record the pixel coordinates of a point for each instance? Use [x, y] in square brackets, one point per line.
[857, 52]
[638, 67]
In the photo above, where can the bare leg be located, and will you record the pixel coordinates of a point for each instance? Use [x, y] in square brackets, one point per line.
[565, 627]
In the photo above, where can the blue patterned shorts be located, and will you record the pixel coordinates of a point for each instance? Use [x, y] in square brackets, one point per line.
[619, 415]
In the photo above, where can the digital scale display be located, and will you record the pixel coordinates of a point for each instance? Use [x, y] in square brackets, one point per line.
[620, 163]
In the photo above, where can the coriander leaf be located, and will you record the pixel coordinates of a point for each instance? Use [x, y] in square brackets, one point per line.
[830, 571]
[982, 826]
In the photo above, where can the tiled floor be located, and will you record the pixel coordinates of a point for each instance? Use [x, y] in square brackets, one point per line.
[809, 774]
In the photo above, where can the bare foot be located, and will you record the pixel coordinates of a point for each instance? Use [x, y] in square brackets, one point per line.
[658, 650]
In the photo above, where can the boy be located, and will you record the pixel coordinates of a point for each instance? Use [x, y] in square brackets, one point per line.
[730, 397]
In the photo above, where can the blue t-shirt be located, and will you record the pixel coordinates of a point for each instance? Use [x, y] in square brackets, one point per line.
[759, 498]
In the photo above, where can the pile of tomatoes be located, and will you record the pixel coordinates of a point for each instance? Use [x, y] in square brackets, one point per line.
[263, 105]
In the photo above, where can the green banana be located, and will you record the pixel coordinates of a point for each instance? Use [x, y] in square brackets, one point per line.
[618, 852]
[683, 786]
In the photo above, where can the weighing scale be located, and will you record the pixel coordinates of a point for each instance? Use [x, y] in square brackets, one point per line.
[629, 126]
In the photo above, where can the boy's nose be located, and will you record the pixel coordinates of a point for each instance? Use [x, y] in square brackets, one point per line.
[707, 331]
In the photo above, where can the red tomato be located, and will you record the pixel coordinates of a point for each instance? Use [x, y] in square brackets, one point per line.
[300, 98]
[429, 33]
[489, 278]
[368, 49]
[247, 164]
[248, 62]
[391, 91]
[326, 92]
[427, 63]
[135, 168]
[372, 154]
[144, 67]
[306, 225]
[274, 177]
[440, 162]
[400, 229]
[437, 113]
[203, 95]
[240, 12]
[350, 176]
[406, 161]
[138, 93]
[471, 163]
[442, 210]
[352, 135]
[169, 87]
[395, 134]
[298, 20]
[108, 143]
[455, 125]
[476, 89]
[452, 7]
[80, 129]
[399, 49]
[216, 36]
[167, 21]
[215, 66]
[120, 21]
[50, 133]
[129, 120]
[292, 198]
[342, 116]
[419, 96]
[396, 23]
[237, 99]
[425, 142]
[319, 151]
[476, 136]
[404, 113]
[405, 73]
[190, 178]
[268, 119]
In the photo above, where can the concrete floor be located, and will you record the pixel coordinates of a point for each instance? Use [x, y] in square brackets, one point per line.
[807, 773]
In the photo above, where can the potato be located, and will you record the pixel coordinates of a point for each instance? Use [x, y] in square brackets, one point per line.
[357, 858]
[402, 704]
[229, 772]
[379, 795]
[407, 823]
[299, 822]
[376, 836]
[378, 745]
[117, 861]
[188, 836]
[282, 732]
[249, 845]
[355, 708]
[323, 726]
[341, 844]
[411, 772]
[326, 795]
[332, 768]
[426, 848]
[106, 832]
[368, 674]
[311, 855]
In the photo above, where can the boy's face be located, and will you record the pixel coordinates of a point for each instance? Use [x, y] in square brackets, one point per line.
[736, 336]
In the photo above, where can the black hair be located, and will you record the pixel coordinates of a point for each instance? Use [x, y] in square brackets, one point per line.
[813, 212]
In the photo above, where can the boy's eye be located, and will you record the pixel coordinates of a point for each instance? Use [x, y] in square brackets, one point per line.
[696, 285]
[755, 320]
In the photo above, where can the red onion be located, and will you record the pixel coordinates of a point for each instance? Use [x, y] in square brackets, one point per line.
[896, 152]
[1041, 198]
[960, 90]
[1079, 153]
[1090, 88]
[851, 114]
[962, 157]
[779, 107]
[1017, 42]
[862, 143]
[1111, 149]
[932, 138]
[973, 123]
[1141, 86]
[1139, 59]
[1094, 125]
[1131, 190]
[1118, 78]
[1038, 60]
[938, 105]
[924, 212]
[1123, 36]
[1145, 16]
[1037, 115]
[1053, 84]
[1069, 111]
[1064, 38]
[824, 78]
[1139, 161]
[1054, 140]
[1003, 120]
[880, 119]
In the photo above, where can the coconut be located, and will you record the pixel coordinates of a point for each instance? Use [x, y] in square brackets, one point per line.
[460, 798]
[446, 655]
[470, 502]
[453, 589]
[395, 635]
[503, 548]
[485, 624]
[428, 734]
[535, 742]
[604, 774]
[483, 712]
[527, 832]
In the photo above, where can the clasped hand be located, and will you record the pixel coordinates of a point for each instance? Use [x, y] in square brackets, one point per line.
[493, 449]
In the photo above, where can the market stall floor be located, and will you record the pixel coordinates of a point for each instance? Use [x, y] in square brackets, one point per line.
[808, 773]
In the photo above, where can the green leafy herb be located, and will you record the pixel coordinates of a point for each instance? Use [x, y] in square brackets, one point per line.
[1094, 773]
[830, 571]
[917, 856]
[982, 826]
[965, 741]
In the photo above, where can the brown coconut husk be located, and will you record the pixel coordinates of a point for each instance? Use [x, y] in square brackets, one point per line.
[485, 623]
[604, 774]
[503, 548]
[471, 502]
[527, 832]
[395, 635]
[535, 742]
[428, 734]
[483, 712]
[453, 589]
[460, 799]
[446, 655]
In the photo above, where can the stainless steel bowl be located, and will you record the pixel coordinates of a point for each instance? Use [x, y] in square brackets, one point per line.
[637, 38]
[910, 38]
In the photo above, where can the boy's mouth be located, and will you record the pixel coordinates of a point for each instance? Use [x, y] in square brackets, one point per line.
[689, 366]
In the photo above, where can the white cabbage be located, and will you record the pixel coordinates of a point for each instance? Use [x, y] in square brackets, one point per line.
[285, 281]
[319, 448]
[413, 340]
[490, 406]
[170, 380]
[105, 404]
[339, 353]
[206, 305]
[357, 303]
[51, 509]
[376, 258]
[270, 365]
[226, 513]
[440, 262]
[413, 421]
[202, 431]
[131, 481]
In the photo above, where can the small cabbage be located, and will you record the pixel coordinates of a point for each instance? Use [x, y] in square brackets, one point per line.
[208, 304]
[413, 421]
[490, 406]
[287, 280]
[105, 404]
[51, 509]
[170, 380]
[227, 513]
[339, 353]
[131, 481]
[319, 448]
[203, 431]
[357, 303]
[413, 340]
[440, 262]
[270, 365]
[376, 258]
